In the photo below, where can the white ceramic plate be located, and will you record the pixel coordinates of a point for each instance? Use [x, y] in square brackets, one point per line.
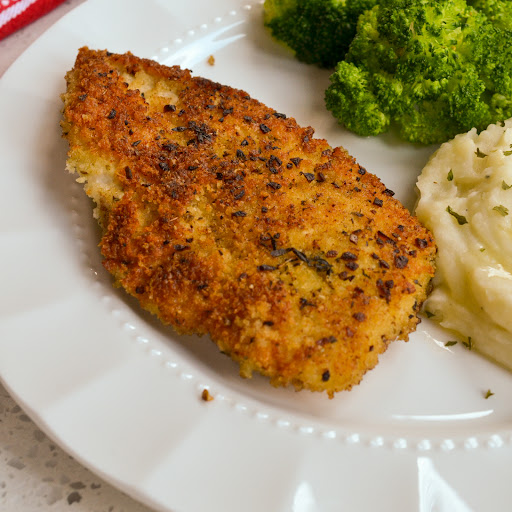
[122, 393]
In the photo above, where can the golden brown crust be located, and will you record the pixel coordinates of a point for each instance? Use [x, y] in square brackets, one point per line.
[224, 217]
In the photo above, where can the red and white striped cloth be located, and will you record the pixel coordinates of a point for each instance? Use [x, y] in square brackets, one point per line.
[15, 14]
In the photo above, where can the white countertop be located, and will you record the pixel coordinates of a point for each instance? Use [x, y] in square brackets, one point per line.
[35, 474]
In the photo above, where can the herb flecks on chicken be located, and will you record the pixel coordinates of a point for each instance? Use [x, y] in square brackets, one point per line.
[224, 217]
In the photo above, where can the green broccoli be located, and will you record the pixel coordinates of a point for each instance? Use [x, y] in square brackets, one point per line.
[497, 11]
[318, 31]
[432, 68]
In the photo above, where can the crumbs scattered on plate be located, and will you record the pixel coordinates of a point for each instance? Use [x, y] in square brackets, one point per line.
[205, 395]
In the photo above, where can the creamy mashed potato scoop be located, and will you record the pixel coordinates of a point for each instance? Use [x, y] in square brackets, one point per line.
[466, 201]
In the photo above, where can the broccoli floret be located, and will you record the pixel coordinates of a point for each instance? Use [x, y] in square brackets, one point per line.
[318, 31]
[433, 69]
[497, 11]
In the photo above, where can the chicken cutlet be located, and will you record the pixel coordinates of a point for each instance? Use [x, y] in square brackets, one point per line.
[227, 218]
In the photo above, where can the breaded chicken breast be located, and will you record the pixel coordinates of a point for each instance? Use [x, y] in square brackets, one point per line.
[225, 217]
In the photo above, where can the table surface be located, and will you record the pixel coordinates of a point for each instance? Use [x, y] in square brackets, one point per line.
[35, 474]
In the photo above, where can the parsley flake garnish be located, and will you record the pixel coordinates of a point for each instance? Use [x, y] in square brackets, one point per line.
[450, 343]
[488, 394]
[460, 218]
[479, 154]
[507, 153]
[468, 344]
[504, 186]
[450, 176]
[502, 210]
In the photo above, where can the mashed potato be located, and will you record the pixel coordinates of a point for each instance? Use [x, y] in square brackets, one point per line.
[466, 201]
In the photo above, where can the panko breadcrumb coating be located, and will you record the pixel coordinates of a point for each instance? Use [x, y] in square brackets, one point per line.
[224, 217]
